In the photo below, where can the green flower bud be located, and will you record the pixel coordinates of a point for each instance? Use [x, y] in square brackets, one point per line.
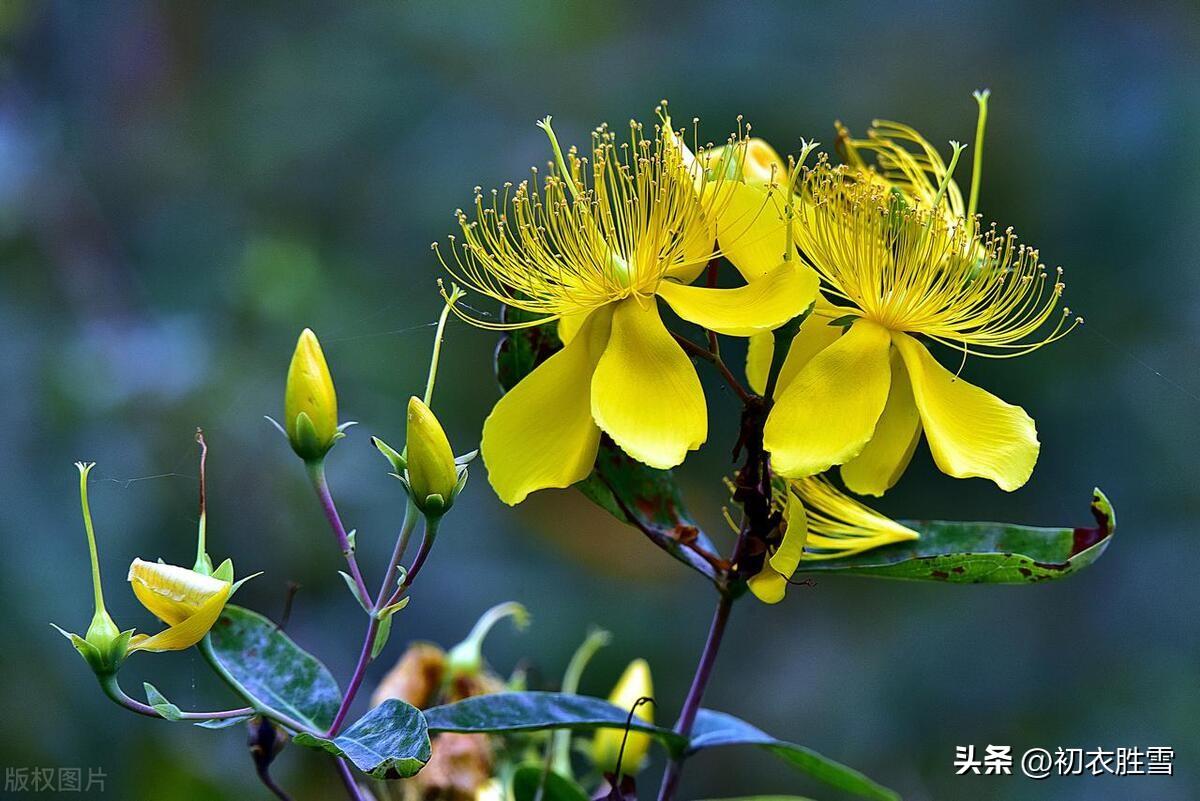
[634, 685]
[310, 402]
[431, 468]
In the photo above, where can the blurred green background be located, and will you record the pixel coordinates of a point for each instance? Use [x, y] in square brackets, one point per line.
[184, 186]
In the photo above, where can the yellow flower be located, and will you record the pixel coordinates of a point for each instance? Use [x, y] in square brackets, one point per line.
[593, 247]
[431, 467]
[635, 683]
[310, 403]
[187, 601]
[898, 263]
[821, 522]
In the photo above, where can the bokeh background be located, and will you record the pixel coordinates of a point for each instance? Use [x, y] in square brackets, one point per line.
[184, 186]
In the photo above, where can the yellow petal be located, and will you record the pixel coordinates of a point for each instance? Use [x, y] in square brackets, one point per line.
[828, 412]
[787, 556]
[971, 433]
[645, 393]
[758, 306]
[752, 229]
[187, 632]
[541, 433]
[882, 461]
[768, 586]
[569, 325]
[759, 352]
[814, 336]
[172, 594]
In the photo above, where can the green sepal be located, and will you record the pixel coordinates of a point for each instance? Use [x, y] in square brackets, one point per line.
[385, 626]
[103, 656]
[363, 602]
[160, 703]
[307, 443]
[395, 458]
[224, 571]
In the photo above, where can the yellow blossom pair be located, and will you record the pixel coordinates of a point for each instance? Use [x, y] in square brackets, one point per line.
[899, 256]
[594, 246]
[189, 601]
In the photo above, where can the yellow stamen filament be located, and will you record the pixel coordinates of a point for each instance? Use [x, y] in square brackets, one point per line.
[839, 525]
[596, 229]
[912, 266]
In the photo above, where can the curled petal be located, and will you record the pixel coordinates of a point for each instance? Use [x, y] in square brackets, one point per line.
[172, 594]
[188, 631]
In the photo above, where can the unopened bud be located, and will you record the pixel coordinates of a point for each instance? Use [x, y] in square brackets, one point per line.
[431, 468]
[310, 402]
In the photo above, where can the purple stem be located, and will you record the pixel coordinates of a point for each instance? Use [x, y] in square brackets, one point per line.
[364, 656]
[114, 691]
[347, 777]
[316, 471]
[691, 705]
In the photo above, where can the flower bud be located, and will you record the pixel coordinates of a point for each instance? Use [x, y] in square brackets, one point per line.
[310, 402]
[754, 162]
[606, 746]
[431, 467]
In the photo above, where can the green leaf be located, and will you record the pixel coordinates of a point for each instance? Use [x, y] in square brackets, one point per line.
[161, 705]
[715, 729]
[507, 713]
[273, 670]
[976, 553]
[528, 779]
[538, 711]
[635, 494]
[389, 742]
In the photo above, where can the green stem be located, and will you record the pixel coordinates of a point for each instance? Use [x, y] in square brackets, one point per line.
[202, 532]
[455, 294]
[97, 590]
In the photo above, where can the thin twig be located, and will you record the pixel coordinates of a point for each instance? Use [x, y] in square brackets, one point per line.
[692, 349]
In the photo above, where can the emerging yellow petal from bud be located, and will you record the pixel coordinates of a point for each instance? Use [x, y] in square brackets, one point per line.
[187, 601]
[634, 684]
[310, 402]
[431, 467]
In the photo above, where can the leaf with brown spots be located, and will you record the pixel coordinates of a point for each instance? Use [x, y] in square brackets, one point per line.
[983, 553]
